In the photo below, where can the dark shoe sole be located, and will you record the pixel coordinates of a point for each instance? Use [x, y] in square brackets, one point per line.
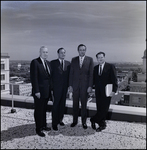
[100, 129]
[61, 124]
[41, 134]
[55, 128]
[46, 129]
[73, 124]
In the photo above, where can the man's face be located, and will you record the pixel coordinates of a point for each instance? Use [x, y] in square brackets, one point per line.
[82, 51]
[61, 54]
[44, 53]
[100, 59]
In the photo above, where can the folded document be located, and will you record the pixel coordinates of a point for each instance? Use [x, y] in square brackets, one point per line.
[108, 89]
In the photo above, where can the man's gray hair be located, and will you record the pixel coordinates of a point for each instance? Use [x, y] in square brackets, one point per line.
[42, 47]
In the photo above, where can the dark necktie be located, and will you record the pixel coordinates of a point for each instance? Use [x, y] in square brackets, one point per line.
[46, 67]
[100, 70]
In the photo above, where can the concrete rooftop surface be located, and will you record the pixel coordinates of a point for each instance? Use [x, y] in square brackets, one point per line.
[18, 132]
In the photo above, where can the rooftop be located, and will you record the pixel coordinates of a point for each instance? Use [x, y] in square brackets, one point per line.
[18, 132]
[5, 55]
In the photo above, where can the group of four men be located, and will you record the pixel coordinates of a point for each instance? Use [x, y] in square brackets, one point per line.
[79, 77]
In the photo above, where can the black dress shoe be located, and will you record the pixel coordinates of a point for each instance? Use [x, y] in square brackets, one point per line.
[84, 126]
[73, 124]
[93, 124]
[40, 133]
[46, 128]
[55, 127]
[62, 123]
[100, 128]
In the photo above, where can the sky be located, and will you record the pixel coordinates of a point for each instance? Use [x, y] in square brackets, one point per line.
[117, 28]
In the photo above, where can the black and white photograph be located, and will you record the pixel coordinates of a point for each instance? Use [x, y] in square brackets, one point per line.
[73, 74]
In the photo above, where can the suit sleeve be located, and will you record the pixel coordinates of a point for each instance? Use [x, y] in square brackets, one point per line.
[114, 78]
[91, 73]
[94, 77]
[71, 73]
[51, 73]
[34, 76]
[68, 68]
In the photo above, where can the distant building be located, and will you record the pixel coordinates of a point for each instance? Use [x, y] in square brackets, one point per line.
[142, 76]
[21, 89]
[137, 89]
[144, 63]
[5, 73]
[134, 99]
[137, 100]
[16, 80]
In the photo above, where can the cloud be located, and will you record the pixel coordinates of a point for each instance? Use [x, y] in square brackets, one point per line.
[104, 25]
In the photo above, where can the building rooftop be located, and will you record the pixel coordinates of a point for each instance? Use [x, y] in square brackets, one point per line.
[5, 55]
[18, 132]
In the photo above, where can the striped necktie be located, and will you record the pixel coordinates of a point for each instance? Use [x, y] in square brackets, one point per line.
[81, 62]
[46, 68]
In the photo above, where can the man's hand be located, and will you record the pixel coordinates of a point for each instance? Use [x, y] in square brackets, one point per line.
[112, 94]
[37, 95]
[89, 90]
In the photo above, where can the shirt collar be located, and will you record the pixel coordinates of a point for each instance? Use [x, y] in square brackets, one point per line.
[82, 57]
[103, 64]
[61, 60]
[42, 60]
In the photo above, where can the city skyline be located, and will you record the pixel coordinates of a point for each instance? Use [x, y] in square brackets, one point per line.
[117, 28]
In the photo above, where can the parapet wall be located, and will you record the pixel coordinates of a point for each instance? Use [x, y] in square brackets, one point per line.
[116, 112]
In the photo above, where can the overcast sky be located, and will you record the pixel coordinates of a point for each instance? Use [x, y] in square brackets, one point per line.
[116, 27]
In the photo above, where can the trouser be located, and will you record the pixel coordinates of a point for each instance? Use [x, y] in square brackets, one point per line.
[80, 95]
[58, 107]
[102, 104]
[40, 108]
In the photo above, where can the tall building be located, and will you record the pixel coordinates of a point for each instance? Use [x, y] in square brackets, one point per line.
[5, 73]
[141, 77]
[144, 62]
[137, 95]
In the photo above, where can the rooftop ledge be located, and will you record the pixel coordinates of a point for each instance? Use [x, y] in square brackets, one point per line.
[117, 112]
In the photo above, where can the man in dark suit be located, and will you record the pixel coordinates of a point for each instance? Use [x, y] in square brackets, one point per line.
[60, 78]
[80, 83]
[104, 73]
[41, 85]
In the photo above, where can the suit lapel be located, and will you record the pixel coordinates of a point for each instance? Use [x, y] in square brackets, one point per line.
[41, 64]
[65, 65]
[59, 66]
[84, 62]
[105, 68]
[97, 70]
[78, 62]
[48, 66]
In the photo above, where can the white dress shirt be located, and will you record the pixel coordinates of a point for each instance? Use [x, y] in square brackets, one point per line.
[61, 62]
[44, 65]
[102, 65]
[81, 59]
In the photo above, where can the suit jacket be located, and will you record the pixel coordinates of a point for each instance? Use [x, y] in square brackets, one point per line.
[108, 76]
[41, 81]
[60, 77]
[83, 75]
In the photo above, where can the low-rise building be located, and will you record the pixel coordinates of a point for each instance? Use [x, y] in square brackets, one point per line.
[5, 73]
[21, 89]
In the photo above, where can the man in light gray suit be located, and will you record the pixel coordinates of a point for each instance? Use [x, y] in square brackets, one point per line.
[80, 83]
